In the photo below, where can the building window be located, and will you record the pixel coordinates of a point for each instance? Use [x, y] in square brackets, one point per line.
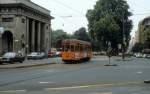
[46, 27]
[23, 20]
[7, 19]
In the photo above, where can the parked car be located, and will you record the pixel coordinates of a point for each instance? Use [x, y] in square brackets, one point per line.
[51, 54]
[146, 55]
[58, 54]
[11, 57]
[37, 55]
[139, 55]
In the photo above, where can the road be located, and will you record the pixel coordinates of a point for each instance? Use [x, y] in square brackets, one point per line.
[86, 78]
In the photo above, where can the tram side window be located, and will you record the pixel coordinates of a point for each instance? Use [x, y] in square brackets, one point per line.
[77, 48]
[63, 47]
[81, 48]
[72, 48]
[85, 49]
[66, 48]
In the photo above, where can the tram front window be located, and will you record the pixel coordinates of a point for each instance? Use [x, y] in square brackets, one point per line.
[68, 48]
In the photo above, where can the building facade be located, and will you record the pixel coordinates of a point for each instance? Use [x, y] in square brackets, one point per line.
[143, 25]
[25, 26]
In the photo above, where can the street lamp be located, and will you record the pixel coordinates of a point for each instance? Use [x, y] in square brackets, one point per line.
[123, 39]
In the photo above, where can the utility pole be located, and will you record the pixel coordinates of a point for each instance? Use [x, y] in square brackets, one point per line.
[123, 39]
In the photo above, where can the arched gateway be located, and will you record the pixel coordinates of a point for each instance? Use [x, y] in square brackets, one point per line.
[7, 41]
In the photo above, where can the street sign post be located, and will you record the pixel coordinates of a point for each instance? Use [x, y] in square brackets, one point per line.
[109, 54]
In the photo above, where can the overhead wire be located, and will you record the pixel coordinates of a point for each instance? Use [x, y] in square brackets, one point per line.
[69, 7]
[81, 14]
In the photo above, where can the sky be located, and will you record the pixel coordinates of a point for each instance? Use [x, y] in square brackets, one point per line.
[70, 14]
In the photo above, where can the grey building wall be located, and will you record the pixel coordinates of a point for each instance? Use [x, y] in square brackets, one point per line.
[31, 25]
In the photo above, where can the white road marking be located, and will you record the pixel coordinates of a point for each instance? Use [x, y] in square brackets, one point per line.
[46, 82]
[51, 70]
[13, 91]
[88, 86]
[135, 93]
[102, 93]
[78, 87]
[139, 72]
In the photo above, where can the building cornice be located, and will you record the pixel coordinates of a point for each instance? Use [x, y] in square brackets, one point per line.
[27, 4]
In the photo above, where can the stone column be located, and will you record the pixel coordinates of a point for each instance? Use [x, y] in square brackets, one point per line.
[39, 36]
[43, 37]
[1, 48]
[33, 36]
[27, 36]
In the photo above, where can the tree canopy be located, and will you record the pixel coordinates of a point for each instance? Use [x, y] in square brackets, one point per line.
[107, 20]
[57, 37]
[81, 34]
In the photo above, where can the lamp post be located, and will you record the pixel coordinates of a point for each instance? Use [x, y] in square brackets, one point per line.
[109, 51]
[123, 39]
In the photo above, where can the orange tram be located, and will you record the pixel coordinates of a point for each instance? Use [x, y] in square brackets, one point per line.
[76, 51]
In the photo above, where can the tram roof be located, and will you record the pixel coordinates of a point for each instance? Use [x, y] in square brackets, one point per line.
[75, 41]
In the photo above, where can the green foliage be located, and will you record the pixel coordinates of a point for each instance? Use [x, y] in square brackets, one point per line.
[81, 34]
[106, 22]
[58, 36]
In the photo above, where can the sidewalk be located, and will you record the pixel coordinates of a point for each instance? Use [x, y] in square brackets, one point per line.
[30, 63]
[115, 58]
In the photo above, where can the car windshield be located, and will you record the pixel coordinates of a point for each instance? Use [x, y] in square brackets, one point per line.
[9, 55]
[42, 53]
[34, 53]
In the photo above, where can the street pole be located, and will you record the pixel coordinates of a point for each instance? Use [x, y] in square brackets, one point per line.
[123, 40]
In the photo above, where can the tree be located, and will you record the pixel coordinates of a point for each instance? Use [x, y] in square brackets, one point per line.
[81, 34]
[58, 36]
[107, 20]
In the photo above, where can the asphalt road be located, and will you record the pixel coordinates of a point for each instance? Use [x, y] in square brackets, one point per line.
[86, 78]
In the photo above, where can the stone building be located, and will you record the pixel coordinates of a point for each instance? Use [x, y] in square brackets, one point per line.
[143, 25]
[25, 26]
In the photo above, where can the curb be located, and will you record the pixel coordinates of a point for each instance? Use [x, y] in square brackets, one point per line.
[124, 59]
[111, 65]
[28, 66]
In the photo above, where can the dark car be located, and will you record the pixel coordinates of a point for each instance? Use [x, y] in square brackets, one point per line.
[37, 55]
[12, 57]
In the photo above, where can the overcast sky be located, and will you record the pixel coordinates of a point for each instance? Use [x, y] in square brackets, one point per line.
[70, 14]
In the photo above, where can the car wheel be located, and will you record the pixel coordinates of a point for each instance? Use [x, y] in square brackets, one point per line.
[11, 62]
[21, 61]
